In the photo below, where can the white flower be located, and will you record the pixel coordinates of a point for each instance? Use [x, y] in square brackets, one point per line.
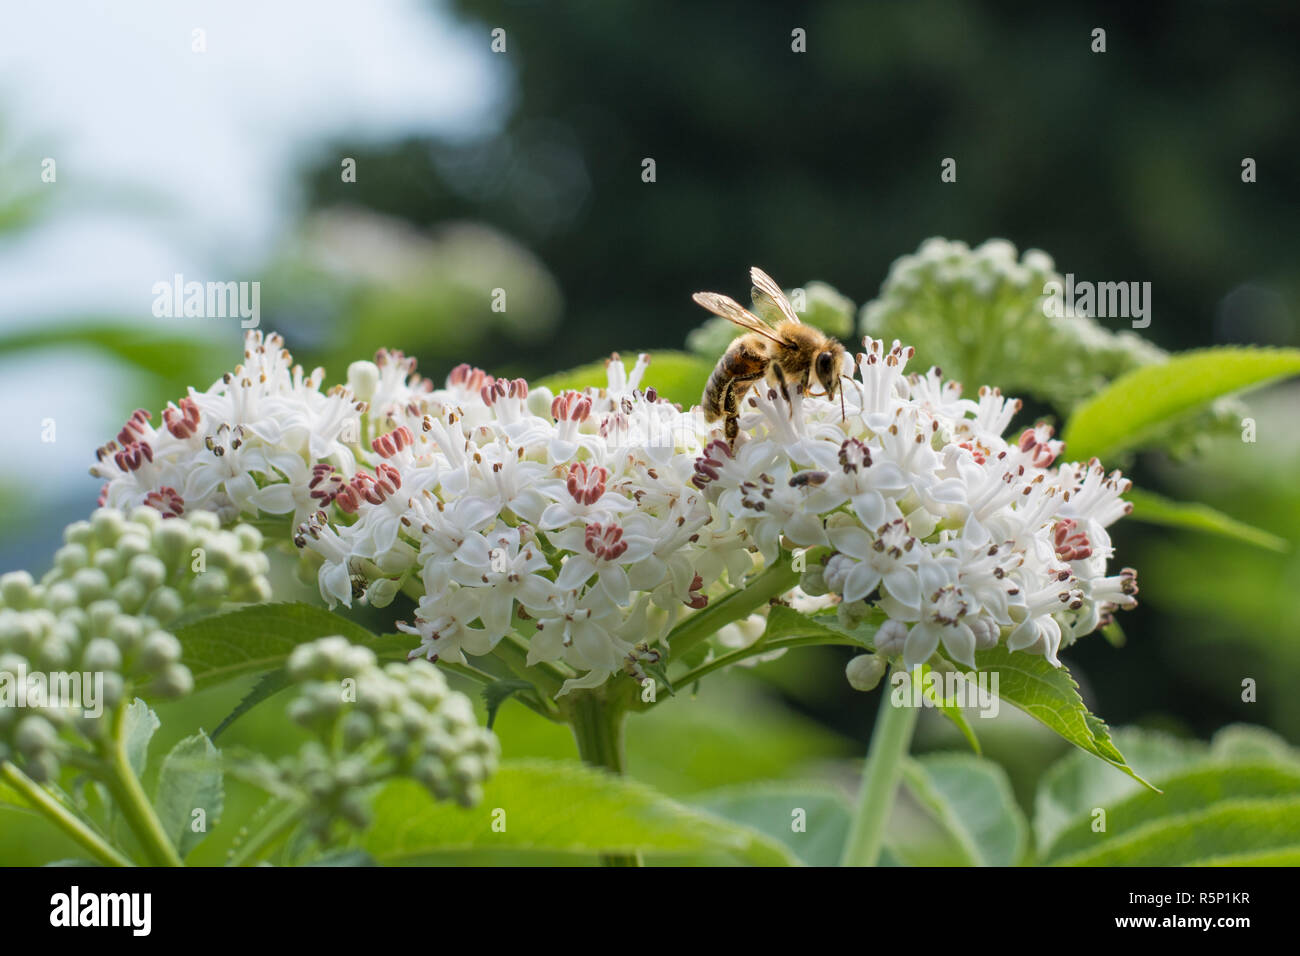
[865, 561]
[588, 523]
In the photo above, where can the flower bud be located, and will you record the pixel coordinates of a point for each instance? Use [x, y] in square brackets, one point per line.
[174, 680]
[130, 594]
[158, 650]
[864, 671]
[17, 589]
[166, 605]
[101, 654]
[92, 584]
[890, 638]
[363, 379]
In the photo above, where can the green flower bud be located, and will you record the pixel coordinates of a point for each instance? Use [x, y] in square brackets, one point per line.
[130, 594]
[79, 532]
[133, 543]
[211, 586]
[865, 671]
[204, 521]
[149, 570]
[62, 596]
[126, 632]
[356, 729]
[92, 584]
[174, 680]
[382, 591]
[34, 735]
[43, 767]
[173, 543]
[101, 654]
[249, 538]
[159, 649]
[114, 690]
[110, 562]
[166, 605]
[147, 517]
[107, 525]
[71, 558]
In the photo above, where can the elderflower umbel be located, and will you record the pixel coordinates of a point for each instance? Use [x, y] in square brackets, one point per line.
[588, 523]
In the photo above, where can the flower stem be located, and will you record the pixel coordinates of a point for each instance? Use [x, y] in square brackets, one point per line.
[890, 741]
[131, 801]
[42, 801]
[598, 729]
[774, 581]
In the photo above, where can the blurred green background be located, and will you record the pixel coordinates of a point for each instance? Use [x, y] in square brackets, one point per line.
[817, 165]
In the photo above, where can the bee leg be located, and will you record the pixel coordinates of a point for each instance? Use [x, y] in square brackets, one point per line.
[731, 429]
[731, 397]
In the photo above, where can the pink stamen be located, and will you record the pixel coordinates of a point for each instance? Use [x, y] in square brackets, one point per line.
[586, 483]
[605, 541]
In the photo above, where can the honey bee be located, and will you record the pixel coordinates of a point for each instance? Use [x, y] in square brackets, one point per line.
[786, 352]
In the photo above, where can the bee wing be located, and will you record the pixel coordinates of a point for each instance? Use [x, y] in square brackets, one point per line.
[733, 311]
[765, 289]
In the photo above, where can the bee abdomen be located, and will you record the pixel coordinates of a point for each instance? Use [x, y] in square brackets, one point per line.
[741, 365]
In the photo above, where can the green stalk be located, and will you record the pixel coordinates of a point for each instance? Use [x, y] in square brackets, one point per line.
[253, 848]
[773, 581]
[130, 798]
[598, 730]
[744, 653]
[54, 811]
[890, 741]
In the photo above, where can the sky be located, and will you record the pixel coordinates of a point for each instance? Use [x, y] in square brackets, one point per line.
[173, 159]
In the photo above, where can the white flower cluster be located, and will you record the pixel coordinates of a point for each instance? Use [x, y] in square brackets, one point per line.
[591, 521]
[97, 623]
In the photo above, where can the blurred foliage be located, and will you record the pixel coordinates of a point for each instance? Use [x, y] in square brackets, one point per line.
[825, 164]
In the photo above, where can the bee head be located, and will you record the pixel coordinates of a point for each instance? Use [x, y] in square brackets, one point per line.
[828, 366]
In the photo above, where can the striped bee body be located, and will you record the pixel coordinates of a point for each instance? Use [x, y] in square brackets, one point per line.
[786, 351]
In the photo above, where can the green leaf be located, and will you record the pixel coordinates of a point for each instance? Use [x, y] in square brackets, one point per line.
[971, 801]
[1050, 695]
[555, 806]
[268, 685]
[178, 360]
[1154, 509]
[190, 779]
[1136, 826]
[1247, 742]
[261, 637]
[1221, 833]
[1075, 785]
[811, 819]
[677, 376]
[784, 623]
[138, 730]
[1136, 405]
[1085, 816]
[498, 692]
[659, 671]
